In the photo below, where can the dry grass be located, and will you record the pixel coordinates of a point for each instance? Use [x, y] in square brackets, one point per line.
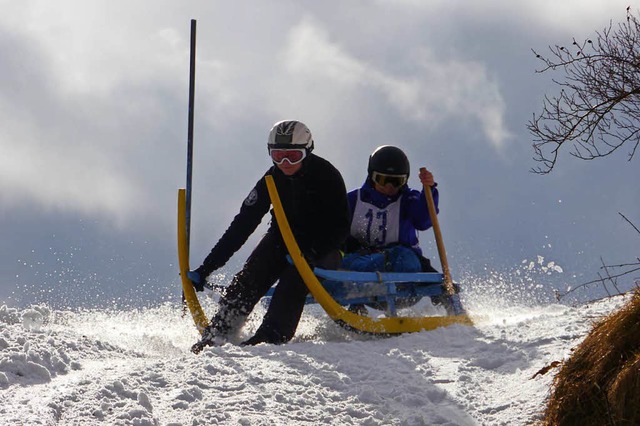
[600, 383]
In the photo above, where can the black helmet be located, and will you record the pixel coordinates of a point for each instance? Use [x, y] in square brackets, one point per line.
[290, 134]
[388, 160]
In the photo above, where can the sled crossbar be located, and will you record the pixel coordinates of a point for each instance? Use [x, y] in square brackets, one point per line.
[379, 277]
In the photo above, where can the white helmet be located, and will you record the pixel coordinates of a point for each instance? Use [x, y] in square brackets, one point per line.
[290, 134]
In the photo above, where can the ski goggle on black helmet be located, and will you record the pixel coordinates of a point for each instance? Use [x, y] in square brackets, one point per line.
[388, 165]
[289, 140]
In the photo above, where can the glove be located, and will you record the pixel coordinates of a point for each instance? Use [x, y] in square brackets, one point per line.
[196, 280]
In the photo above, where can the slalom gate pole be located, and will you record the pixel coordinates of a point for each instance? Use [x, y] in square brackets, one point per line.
[192, 84]
[448, 283]
[192, 87]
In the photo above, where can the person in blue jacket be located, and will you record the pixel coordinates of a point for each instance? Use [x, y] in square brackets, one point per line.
[386, 215]
[313, 197]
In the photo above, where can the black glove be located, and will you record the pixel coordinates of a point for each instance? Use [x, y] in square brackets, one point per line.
[196, 280]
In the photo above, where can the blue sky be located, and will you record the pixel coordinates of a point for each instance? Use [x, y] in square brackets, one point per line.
[93, 125]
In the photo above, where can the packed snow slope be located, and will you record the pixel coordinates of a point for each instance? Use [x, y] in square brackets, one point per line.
[132, 366]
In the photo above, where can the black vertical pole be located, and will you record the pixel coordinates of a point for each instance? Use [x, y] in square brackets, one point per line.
[192, 84]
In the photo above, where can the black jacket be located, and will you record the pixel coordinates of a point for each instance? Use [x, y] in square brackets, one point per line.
[314, 201]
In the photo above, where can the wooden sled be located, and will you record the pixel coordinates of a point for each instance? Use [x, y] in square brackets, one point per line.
[351, 320]
[336, 290]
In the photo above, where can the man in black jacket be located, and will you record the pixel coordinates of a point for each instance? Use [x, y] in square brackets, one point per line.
[314, 200]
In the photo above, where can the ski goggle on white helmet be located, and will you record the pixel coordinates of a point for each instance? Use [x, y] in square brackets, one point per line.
[289, 140]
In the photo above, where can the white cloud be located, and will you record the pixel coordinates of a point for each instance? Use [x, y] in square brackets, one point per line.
[83, 94]
[435, 89]
[570, 16]
[60, 174]
[573, 15]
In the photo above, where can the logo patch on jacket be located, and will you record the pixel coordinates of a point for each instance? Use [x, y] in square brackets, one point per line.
[251, 198]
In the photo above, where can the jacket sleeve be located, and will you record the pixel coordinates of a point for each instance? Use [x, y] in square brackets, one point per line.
[418, 209]
[253, 209]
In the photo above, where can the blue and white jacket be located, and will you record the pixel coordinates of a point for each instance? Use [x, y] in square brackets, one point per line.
[378, 221]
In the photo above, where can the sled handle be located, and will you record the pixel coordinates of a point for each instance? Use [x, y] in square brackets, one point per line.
[448, 283]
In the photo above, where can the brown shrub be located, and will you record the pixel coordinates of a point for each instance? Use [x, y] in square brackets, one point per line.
[600, 383]
[624, 393]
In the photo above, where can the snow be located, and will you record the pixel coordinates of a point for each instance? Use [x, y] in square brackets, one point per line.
[132, 366]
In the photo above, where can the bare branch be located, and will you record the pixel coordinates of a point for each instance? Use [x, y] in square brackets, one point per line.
[598, 108]
[612, 278]
[630, 223]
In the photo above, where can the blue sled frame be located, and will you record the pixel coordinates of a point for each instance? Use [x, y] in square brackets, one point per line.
[386, 291]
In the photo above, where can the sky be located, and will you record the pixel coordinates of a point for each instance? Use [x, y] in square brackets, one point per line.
[93, 131]
[59, 367]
